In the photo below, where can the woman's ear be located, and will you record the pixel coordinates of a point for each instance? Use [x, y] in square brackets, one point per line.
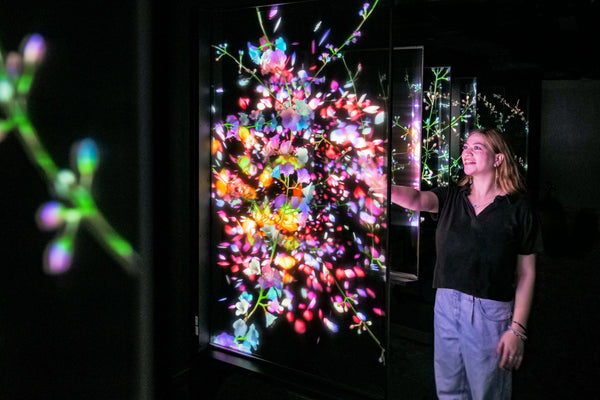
[499, 158]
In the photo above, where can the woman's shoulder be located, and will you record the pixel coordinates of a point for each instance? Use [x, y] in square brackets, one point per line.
[519, 199]
[450, 189]
[450, 194]
[521, 203]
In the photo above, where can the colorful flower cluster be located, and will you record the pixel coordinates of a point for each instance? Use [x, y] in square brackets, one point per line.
[293, 172]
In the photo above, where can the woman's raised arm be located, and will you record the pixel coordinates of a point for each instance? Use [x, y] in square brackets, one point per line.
[414, 199]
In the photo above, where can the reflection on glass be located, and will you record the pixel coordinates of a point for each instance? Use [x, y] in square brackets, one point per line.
[437, 128]
[509, 116]
[406, 158]
[464, 111]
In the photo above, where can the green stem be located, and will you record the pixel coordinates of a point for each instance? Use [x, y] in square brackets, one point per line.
[118, 247]
[262, 27]
[79, 196]
[258, 303]
[348, 301]
[260, 295]
[224, 52]
[337, 51]
[32, 145]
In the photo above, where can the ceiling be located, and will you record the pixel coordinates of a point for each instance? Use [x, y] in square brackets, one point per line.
[552, 40]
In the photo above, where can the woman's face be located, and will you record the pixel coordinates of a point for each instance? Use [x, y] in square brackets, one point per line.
[477, 155]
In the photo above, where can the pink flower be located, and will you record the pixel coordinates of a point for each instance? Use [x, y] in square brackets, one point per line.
[272, 61]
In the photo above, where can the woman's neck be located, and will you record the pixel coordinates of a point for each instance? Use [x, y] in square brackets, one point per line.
[482, 187]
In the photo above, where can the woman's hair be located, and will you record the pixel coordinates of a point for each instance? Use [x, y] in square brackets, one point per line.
[508, 176]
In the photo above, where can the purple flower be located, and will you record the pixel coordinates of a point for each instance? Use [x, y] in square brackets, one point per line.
[287, 169]
[289, 119]
[303, 176]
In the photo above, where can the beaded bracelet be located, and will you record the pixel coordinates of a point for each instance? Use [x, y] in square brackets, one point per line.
[520, 325]
[517, 334]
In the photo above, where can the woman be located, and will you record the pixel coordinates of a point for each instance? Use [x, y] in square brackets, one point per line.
[486, 240]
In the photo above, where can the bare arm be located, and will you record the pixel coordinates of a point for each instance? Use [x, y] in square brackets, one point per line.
[525, 285]
[414, 199]
[511, 347]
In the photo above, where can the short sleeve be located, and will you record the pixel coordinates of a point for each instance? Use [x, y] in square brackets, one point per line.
[531, 240]
[442, 195]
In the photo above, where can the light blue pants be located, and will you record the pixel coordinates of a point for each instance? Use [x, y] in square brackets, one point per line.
[467, 331]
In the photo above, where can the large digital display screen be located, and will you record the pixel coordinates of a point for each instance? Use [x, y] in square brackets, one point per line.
[299, 142]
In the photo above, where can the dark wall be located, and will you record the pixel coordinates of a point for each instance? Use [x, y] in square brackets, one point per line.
[570, 141]
[569, 165]
[74, 335]
[175, 195]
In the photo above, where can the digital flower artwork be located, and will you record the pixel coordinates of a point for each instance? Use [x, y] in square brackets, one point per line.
[294, 162]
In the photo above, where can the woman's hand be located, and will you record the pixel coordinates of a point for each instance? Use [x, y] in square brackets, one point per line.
[378, 184]
[511, 348]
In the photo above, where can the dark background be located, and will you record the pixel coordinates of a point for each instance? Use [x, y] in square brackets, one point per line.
[125, 74]
[74, 335]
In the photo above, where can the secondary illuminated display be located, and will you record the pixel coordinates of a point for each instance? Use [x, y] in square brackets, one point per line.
[295, 156]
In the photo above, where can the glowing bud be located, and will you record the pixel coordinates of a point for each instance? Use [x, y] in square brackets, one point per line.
[14, 64]
[34, 49]
[50, 215]
[65, 180]
[58, 256]
[87, 156]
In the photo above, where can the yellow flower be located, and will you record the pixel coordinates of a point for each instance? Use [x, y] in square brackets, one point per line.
[265, 177]
[284, 261]
[249, 227]
[222, 183]
[287, 219]
[246, 137]
[290, 243]
[216, 146]
[247, 192]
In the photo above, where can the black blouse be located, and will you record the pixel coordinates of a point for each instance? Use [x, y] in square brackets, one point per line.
[477, 254]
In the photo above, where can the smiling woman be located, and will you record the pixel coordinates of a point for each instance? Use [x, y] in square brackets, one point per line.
[486, 153]
[486, 240]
